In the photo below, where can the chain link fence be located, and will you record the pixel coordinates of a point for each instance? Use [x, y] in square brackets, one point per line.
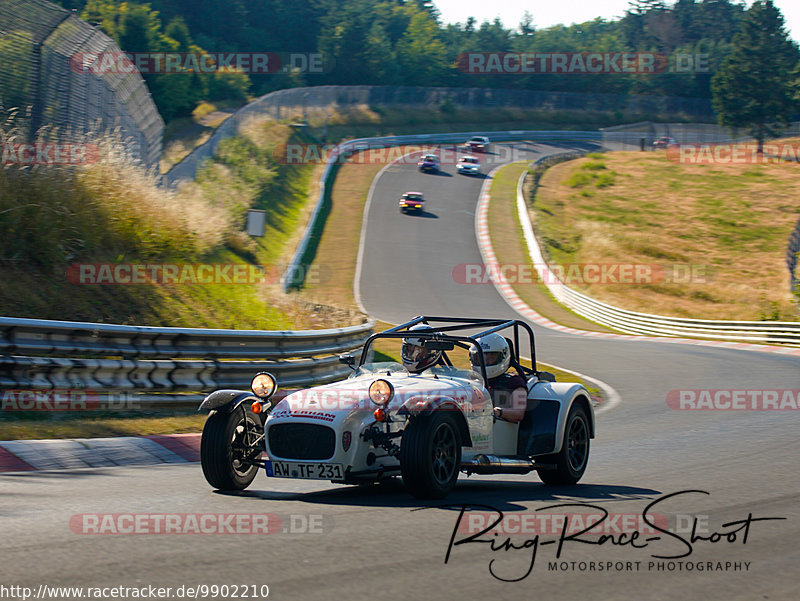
[638, 136]
[343, 96]
[44, 51]
[792, 252]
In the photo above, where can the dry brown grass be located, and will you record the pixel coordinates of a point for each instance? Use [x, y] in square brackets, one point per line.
[731, 222]
[82, 427]
[510, 249]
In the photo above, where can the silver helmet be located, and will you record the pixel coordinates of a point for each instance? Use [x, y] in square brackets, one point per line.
[496, 355]
[417, 358]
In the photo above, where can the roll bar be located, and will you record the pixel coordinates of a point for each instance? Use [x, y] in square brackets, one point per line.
[447, 329]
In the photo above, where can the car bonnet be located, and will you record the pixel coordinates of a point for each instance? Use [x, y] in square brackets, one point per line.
[334, 402]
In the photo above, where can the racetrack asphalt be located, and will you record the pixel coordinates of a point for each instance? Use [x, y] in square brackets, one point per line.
[376, 543]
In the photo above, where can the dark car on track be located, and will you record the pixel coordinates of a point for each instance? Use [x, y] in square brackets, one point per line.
[429, 162]
[477, 144]
[412, 201]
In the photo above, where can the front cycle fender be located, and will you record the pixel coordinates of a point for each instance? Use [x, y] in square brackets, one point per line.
[226, 401]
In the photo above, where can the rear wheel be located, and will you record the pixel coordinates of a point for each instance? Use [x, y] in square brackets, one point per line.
[572, 459]
[230, 442]
[430, 455]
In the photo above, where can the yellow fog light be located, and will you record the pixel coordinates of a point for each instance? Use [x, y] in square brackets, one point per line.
[263, 385]
[381, 392]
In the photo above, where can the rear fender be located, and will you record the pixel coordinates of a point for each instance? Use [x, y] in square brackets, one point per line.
[550, 402]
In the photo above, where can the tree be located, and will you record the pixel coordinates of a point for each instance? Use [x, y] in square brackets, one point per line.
[753, 87]
[526, 27]
[421, 53]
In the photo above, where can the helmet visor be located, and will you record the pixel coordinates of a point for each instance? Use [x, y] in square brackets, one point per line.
[413, 352]
[489, 357]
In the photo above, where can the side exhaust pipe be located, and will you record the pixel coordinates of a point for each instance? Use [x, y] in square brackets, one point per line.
[493, 464]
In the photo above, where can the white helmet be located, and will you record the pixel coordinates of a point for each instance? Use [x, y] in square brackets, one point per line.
[496, 354]
[417, 358]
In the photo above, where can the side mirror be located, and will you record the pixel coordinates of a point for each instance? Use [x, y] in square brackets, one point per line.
[348, 359]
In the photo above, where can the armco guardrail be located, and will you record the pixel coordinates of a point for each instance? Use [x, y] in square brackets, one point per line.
[102, 359]
[631, 322]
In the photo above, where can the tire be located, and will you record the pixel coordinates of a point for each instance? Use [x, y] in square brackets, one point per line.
[430, 455]
[221, 449]
[572, 459]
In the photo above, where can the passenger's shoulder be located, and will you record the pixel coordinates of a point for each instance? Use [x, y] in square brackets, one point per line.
[509, 382]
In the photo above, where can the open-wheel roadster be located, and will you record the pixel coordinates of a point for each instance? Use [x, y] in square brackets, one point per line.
[385, 421]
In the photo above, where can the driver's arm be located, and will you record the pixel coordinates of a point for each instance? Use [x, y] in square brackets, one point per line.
[514, 410]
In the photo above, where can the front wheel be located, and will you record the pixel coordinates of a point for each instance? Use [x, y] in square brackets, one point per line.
[572, 459]
[430, 455]
[231, 442]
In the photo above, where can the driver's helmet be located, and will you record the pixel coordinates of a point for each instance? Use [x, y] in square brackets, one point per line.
[496, 354]
[417, 358]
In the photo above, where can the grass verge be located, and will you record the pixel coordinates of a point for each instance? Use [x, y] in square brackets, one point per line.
[508, 243]
[38, 426]
[54, 220]
[710, 240]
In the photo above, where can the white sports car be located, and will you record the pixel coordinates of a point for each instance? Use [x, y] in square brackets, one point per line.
[468, 165]
[385, 421]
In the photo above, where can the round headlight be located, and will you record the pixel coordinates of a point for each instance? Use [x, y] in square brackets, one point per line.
[263, 385]
[381, 392]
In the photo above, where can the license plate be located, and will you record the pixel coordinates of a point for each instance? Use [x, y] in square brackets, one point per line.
[308, 471]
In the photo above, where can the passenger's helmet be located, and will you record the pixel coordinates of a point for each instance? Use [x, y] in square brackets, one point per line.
[417, 358]
[496, 354]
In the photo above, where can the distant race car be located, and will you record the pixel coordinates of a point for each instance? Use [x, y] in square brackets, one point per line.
[389, 419]
[429, 162]
[477, 144]
[663, 142]
[411, 201]
[469, 165]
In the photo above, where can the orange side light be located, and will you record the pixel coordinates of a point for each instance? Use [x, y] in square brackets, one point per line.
[380, 415]
[256, 407]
